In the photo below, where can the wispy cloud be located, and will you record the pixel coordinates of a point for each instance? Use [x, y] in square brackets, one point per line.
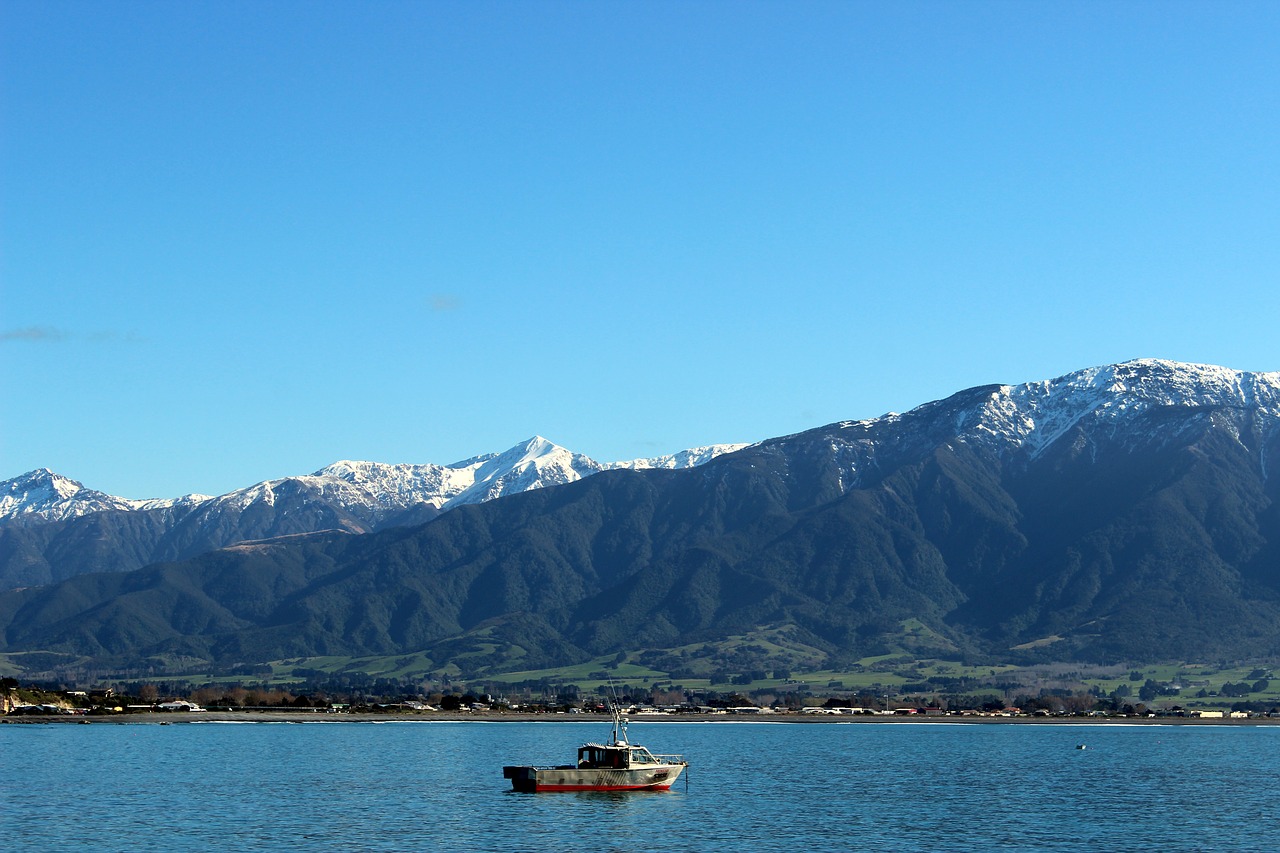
[37, 334]
[441, 302]
[50, 335]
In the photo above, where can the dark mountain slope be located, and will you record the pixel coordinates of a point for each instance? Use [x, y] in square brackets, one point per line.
[110, 614]
[107, 541]
[611, 560]
[117, 540]
[1141, 551]
[1125, 516]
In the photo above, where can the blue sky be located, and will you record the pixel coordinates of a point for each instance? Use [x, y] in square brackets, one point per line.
[243, 240]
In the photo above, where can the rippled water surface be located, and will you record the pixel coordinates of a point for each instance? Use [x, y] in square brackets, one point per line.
[821, 786]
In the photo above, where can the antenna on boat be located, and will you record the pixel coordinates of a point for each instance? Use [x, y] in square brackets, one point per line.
[615, 709]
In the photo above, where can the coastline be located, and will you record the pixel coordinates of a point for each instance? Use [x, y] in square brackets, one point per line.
[320, 717]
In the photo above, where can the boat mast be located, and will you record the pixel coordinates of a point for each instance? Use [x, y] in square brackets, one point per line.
[619, 725]
[619, 721]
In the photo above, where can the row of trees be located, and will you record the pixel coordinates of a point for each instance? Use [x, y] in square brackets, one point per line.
[356, 690]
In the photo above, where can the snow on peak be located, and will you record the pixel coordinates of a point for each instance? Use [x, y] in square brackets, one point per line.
[401, 486]
[372, 491]
[42, 494]
[1038, 413]
[690, 458]
[1171, 383]
[1032, 417]
[529, 465]
[168, 503]
[38, 487]
[377, 491]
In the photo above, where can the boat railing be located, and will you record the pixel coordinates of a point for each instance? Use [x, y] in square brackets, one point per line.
[670, 759]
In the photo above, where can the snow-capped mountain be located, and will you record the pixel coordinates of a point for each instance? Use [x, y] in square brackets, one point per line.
[372, 492]
[52, 527]
[1119, 513]
[47, 496]
[51, 496]
[1035, 415]
[529, 465]
[1116, 513]
[1026, 419]
[1022, 422]
[380, 492]
[690, 458]
[1015, 421]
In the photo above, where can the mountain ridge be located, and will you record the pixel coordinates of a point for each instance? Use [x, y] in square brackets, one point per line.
[1141, 524]
[52, 527]
[45, 495]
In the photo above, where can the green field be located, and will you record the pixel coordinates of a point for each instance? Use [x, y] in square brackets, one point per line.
[1189, 685]
[768, 664]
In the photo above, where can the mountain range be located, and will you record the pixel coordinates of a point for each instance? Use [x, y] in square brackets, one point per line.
[1123, 513]
[53, 528]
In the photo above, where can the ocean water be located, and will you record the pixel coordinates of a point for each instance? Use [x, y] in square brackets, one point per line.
[751, 785]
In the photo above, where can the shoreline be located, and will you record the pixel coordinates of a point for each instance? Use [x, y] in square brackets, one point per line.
[320, 717]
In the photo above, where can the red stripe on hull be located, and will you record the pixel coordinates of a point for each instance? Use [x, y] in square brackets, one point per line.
[553, 788]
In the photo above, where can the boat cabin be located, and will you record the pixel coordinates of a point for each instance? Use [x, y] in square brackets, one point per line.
[619, 756]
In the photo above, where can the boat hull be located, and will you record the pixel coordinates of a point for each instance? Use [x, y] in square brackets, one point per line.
[539, 779]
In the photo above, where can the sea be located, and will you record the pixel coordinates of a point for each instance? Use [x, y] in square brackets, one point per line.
[406, 786]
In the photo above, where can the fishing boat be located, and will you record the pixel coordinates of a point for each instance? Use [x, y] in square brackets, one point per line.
[614, 766]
